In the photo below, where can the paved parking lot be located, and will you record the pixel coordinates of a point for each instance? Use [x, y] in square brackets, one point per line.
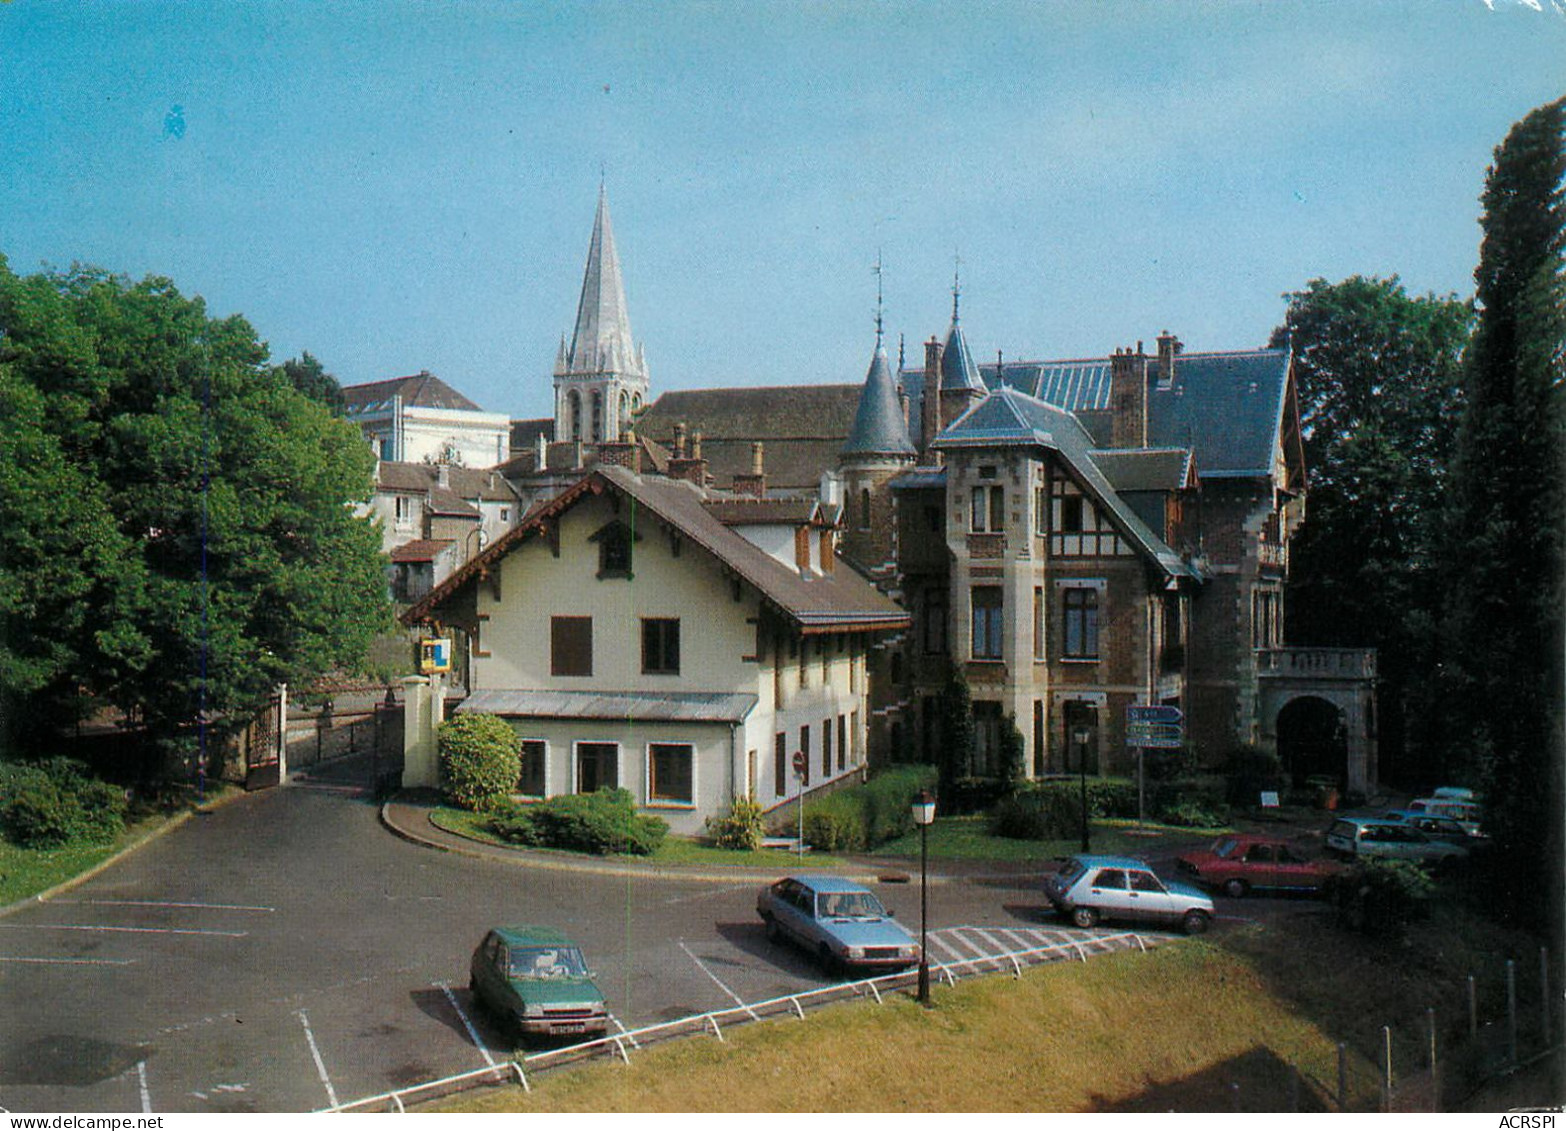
[285, 953]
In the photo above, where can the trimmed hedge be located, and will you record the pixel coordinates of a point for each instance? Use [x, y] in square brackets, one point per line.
[602, 823]
[1046, 811]
[46, 804]
[864, 816]
[480, 760]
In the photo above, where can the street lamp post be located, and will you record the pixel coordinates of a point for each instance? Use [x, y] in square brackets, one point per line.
[923, 814]
[1081, 734]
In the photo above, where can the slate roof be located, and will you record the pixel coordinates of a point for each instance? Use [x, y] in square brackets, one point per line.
[487, 485]
[879, 427]
[661, 706]
[740, 511]
[422, 390]
[1009, 417]
[834, 602]
[1145, 469]
[957, 368]
[804, 428]
[1227, 408]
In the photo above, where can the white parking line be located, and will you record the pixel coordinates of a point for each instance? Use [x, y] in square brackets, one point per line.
[71, 961]
[331, 1092]
[141, 1080]
[466, 1024]
[939, 940]
[715, 980]
[128, 930]
[159, 903]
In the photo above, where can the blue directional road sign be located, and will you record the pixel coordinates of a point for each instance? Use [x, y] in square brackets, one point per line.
[1153, 714]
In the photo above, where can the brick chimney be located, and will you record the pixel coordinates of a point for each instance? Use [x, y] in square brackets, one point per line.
[1169, 348]
[930, 409]
[692, 468]
[1128, 373]
[624, 452]
[756, 482]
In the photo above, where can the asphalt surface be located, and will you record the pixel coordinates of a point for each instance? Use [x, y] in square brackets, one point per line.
[306, 947]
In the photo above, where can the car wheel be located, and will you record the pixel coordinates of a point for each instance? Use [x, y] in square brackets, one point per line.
[1084, 917]
[1236, 889]
[829, 962]
[774, 932]
[1195, 922]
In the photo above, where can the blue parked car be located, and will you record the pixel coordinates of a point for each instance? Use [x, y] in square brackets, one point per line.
[841, 923]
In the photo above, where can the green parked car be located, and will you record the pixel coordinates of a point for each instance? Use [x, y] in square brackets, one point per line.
[535, 980]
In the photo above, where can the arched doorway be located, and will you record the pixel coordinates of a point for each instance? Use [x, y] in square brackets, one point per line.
[1313, 739]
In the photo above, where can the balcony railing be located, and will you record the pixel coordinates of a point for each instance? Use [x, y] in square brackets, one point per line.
[1316, 663]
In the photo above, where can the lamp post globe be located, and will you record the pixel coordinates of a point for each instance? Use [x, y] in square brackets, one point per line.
[923, 813]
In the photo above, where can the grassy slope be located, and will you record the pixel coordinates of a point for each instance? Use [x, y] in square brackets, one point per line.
[1172, 1028]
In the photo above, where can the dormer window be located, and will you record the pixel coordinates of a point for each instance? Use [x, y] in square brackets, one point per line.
[615, 541]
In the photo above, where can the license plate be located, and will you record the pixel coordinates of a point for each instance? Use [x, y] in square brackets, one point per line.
[570, 1027]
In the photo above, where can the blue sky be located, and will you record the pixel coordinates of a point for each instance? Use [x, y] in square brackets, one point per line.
[404, 186]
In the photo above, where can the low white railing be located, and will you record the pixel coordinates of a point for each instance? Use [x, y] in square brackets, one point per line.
[736, 1014]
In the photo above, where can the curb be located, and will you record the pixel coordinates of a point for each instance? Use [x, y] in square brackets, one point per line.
[520, 858]
[107, 862]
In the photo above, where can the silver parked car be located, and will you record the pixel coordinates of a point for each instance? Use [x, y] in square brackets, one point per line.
[841, 923]
[1090, 888]
[1353, 838]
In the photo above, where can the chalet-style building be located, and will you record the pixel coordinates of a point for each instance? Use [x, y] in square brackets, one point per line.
[639, 631]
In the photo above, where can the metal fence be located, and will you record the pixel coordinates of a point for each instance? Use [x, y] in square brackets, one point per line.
[712, 1023]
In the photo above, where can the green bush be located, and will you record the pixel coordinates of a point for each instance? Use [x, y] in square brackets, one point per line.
[604, 822]
[1192, 815]
[1381, 897]
[1251, 771]
[864, 816]
[1111, 797]
[480, 760]
[741, 828]
[55, 802]
[1045, 811]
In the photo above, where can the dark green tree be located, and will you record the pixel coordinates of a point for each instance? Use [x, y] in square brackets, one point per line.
[307, 375]
[1505, 568]
[1378, 377]
[955, 755]
[181, 513]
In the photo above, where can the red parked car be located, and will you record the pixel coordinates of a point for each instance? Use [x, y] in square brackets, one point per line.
[1239, 863]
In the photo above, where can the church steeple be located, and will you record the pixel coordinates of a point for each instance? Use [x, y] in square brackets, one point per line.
[601, 377]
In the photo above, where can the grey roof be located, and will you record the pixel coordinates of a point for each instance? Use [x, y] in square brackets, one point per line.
[1226, 408]
[738, 510]
[486, 485]
[421, 389]
[621, 706]
[834, 602]
[1007, 417]
[957, 368]
[1144, 469]
[602, 341]
[879, 427]
[919, 478]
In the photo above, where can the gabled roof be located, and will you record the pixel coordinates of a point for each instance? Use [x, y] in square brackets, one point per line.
[421, 550]
[1146, 469]
[840, 601]
[1007, 417]
[447, 503]
[879, 428]
[422, 390]
[486, 485]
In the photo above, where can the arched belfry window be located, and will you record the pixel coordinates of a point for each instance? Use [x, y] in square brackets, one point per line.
[574, 411]
[624, 421]
[598, 416]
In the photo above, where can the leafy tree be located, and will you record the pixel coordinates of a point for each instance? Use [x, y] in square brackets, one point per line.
[1378, 384]
[178, 537]
[1505, 567]
[307, 375]
[956, 729]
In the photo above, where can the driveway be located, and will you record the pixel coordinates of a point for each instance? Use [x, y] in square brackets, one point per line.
[285, 953]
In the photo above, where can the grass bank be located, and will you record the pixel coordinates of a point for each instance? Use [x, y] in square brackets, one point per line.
[1173, 1029]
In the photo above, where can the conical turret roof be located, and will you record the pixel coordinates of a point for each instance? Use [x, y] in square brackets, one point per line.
[957, 368]
[879, 428]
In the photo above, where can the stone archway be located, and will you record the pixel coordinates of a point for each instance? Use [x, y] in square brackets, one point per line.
[1313, 739]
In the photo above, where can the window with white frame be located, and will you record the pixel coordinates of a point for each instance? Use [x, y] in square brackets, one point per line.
[988, 513]
[671, 773]
[988, 620]
[532, 780]
[597, 766]
[1079, 623]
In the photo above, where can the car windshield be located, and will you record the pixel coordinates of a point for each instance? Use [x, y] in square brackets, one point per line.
[547, 962]
[849, 905]
[1223, 846]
